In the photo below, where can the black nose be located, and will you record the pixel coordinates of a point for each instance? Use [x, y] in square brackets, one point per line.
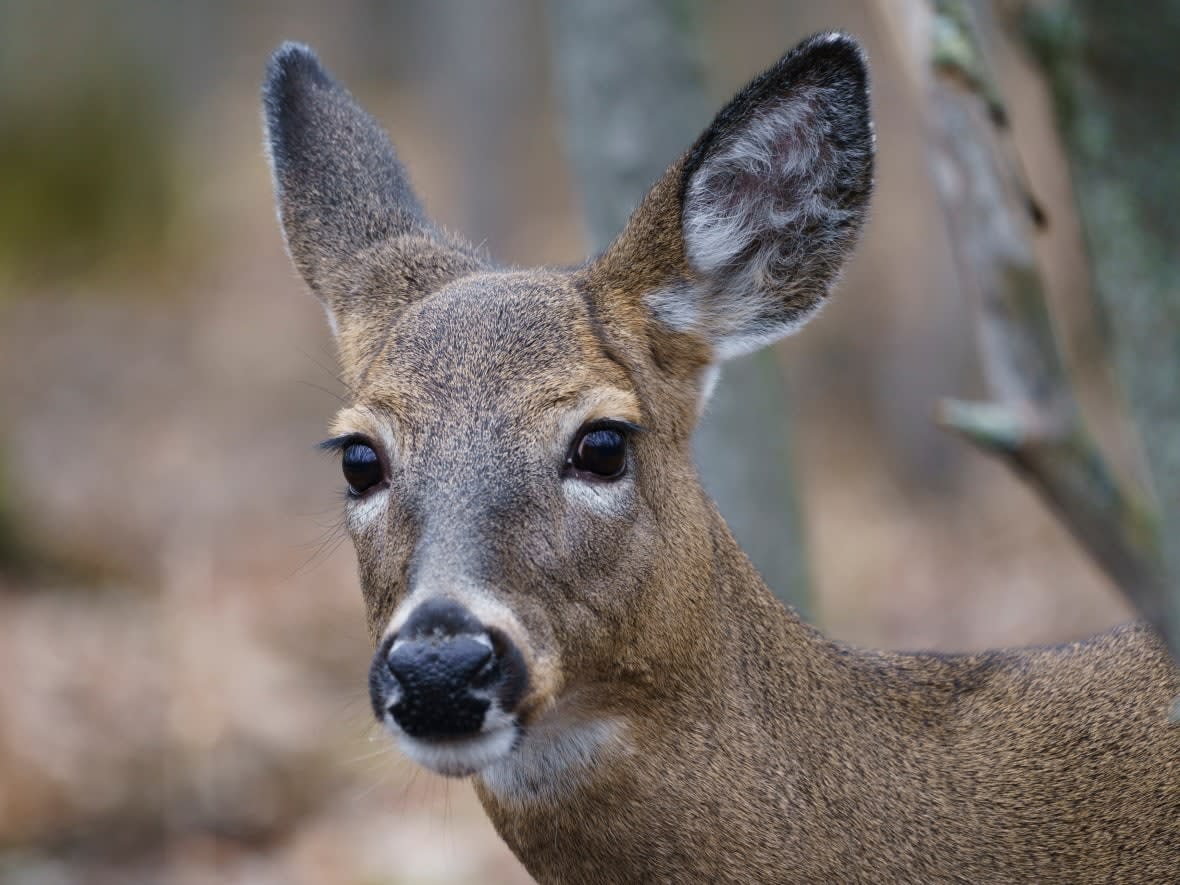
[441, 661]
[450, 664]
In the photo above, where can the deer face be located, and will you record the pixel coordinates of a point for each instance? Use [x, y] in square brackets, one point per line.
[534, 546]
[495, 459]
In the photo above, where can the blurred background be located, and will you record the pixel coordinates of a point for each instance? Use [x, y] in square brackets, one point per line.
[182, 643]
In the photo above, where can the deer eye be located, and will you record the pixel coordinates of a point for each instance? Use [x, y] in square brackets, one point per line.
[600, 452]
[361, 466]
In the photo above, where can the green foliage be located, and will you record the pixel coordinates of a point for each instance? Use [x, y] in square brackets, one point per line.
[1053, 35]
[954, 48]
[88, 178]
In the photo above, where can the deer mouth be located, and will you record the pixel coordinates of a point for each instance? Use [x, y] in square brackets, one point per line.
[463, 756]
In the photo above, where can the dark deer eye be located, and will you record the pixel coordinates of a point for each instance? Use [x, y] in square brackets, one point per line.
[600, 451]
[361, 466]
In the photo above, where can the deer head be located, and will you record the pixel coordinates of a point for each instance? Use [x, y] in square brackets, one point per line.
[537, 556]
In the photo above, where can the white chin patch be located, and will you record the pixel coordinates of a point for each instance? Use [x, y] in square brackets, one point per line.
[461, 757]
[554, 758]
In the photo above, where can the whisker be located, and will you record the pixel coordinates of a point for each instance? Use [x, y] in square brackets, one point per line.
[322, 552]
[341, 399]
[390, 750]
[331, 372]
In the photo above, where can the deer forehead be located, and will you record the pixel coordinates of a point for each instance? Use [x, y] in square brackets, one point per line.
[513, 352]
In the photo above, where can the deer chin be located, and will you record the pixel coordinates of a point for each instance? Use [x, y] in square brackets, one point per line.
[462, 757]
[554, 756]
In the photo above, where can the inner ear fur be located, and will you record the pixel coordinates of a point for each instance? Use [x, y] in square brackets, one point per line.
[742, 238]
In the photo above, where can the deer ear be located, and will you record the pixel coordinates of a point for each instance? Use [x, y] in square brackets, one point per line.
[764, 208]
[338, 183]
[352, 224]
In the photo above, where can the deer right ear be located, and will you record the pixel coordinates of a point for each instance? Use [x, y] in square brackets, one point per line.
[739, 243]
[342, 193]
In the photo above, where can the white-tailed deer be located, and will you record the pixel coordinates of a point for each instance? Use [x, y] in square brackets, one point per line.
[558, 608]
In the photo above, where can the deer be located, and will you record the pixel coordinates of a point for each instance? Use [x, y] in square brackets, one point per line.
[558, 610]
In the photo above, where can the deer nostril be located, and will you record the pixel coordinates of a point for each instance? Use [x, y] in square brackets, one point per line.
[488, 672]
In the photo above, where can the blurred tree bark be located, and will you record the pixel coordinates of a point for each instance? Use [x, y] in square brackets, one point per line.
[1032, 421]
[1113, 71]
[479, 57]
[12, 549]
[632, 80]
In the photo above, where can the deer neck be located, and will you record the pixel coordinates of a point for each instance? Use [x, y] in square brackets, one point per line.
[727, 759]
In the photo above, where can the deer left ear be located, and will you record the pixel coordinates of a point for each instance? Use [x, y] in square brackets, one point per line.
[338, 183]
[763, 209]
[352, 224]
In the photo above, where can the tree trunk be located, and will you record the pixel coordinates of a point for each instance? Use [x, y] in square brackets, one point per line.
[632, 80]
[1113, 71]
[1032, 422]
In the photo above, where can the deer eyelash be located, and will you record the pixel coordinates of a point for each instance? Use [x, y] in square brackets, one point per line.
[627, 428]
[340, 443]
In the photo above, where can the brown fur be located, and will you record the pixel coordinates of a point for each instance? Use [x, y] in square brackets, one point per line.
[745, 746]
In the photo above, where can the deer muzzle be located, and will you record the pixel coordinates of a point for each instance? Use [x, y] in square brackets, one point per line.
[448, 687]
